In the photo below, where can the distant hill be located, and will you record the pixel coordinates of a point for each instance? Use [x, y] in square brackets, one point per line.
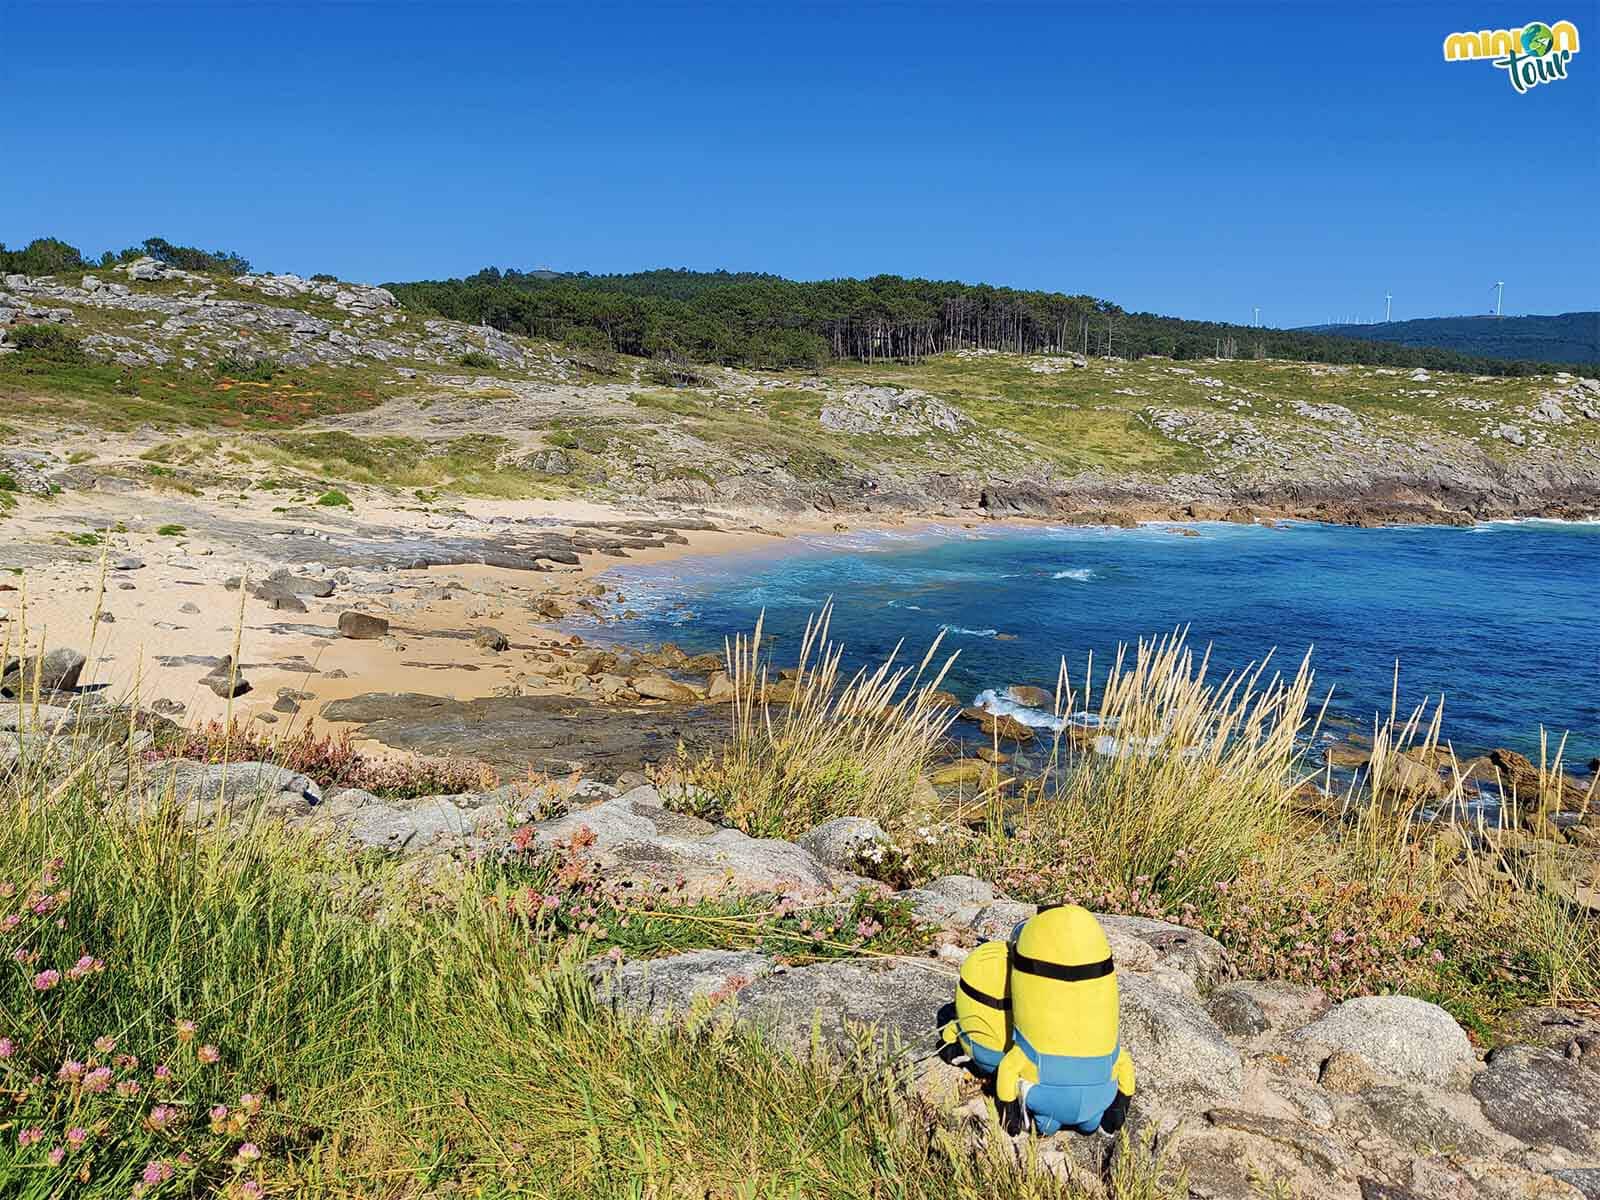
[1568, 338]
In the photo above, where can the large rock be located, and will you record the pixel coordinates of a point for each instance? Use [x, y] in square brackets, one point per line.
[555, 735]
[208, 792]
[411, 827]
[634, 838]
[362, 626]
[950, 901]
[900, 1000]
[1252, 1008]
[659, 687]
[1179, 1053]
[1399, 1036]
[660, 987]
[1541, 1096]
[1178, 951]
[58, 671]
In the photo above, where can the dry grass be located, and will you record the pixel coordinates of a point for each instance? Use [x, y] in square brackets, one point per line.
[812, 747]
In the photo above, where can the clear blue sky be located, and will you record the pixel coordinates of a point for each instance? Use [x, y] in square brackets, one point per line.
[1192, 159]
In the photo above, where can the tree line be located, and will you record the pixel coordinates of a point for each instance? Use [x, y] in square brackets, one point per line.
[759, 320]
[52, 256]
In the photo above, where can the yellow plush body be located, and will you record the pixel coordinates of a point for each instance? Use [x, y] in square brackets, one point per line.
[983, 1020]
[1065, 1060]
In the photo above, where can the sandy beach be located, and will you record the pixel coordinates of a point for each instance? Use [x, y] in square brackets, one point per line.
[153, 611]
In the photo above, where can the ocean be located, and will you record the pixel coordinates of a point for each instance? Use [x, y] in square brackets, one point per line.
[1501, 619]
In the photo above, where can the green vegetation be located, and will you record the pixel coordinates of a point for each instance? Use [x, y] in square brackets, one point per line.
[768, 322]
[1356, 893]
[259, 1013]
[252, 370]
[477, 360]
[117, 397]
[52, 256]
[50, 342]
[170, 531]
[809, 748]
[1567, 338]
[333, 499]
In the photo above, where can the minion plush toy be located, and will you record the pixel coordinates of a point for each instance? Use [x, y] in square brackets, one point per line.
[983, 1009]
[1065, 1063]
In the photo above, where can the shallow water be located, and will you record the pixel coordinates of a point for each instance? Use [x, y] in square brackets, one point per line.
[1501, 619]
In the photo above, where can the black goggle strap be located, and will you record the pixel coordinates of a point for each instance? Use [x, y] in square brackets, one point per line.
[1065, 972]
[984, 997]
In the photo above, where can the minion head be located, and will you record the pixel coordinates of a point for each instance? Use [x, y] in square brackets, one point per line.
[1064, 984]
[983, 1016]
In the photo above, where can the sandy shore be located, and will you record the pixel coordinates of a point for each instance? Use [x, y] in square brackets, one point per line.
[162, 624]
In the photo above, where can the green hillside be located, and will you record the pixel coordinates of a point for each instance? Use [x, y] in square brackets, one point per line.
[744, 319]
[1566, 338]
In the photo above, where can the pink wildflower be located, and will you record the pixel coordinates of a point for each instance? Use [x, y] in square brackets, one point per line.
[208, 1054]
[250, 1103]
[157, 1170]
[71, 1071]
[249, 1152]
[219, 1113]
[160, 1116]
[163, 1072]
[186, 1030]
[77, 1136]
[29, 1136]
[105, 1045]
[128, 1088]
[85, 966]
[45, 980]
[56, 1155]
[7, 1047]
[11, 921]
[98, 1080]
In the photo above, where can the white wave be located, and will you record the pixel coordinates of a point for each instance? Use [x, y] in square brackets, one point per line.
[1081, 574]
[983, 633]
[1001, 705]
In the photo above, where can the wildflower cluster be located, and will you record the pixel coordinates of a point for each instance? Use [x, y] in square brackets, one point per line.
[886, 862]
[92, 1114]
[559, 893]
[331, 759]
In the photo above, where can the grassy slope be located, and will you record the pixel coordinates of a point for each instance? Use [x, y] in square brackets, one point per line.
[365, 1034]
[1098, 420]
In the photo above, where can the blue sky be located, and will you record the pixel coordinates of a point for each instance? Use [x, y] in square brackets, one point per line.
[1187, 159]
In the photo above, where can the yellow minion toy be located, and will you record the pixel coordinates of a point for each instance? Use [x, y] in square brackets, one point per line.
[1065, 1063]
[983, 1008]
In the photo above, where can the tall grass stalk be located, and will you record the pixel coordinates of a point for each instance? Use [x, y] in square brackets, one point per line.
[1179, 778]
[813, 747]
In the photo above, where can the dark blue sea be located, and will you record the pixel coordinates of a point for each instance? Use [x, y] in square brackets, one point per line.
[1502, 620]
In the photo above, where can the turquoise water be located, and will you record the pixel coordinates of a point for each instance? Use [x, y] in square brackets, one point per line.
[1502, 619]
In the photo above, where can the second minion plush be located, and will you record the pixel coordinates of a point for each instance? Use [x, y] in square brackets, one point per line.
[1065, 1063]
[983, 1007]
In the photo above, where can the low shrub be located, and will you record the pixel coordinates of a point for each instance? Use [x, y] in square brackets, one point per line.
[50, 342]
[334, 499]
[245, 368]
[478, 360]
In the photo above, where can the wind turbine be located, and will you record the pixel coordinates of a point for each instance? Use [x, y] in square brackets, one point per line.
[1500, 293]
[1387, 297]
[1257, 320]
